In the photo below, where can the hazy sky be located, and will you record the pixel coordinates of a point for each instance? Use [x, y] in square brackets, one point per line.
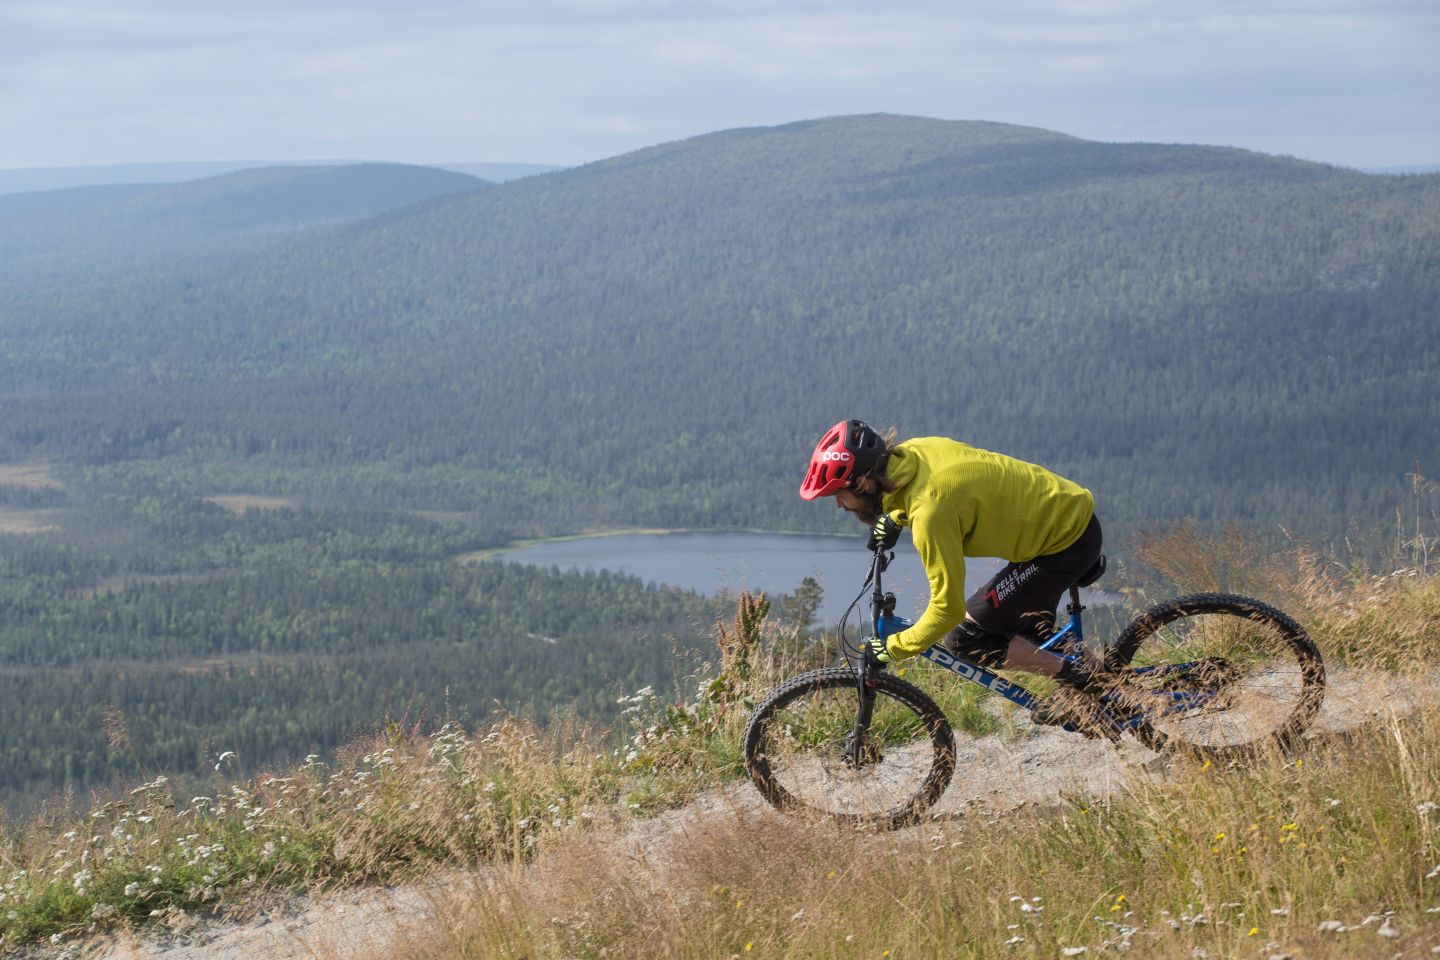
[1355, 82]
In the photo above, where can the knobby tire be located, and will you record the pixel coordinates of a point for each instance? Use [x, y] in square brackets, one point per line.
[795, 741]
[1257, 681]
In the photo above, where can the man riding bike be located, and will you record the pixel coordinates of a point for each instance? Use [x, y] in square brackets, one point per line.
[959, 501]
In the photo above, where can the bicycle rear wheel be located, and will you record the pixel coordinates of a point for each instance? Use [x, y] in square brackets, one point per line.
[798, 752]
[1218, 675]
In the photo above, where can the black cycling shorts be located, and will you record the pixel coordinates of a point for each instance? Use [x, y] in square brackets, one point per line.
[1020, 600]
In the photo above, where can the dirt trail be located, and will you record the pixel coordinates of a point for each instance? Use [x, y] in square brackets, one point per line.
[992, 773]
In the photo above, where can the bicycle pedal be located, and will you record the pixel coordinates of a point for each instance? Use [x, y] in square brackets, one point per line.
[1095, 731]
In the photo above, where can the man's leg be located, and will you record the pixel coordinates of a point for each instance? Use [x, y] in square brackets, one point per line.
[1017, 607]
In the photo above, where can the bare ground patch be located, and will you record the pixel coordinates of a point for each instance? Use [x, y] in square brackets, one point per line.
[444, 516]
[19, 521]
[30, 474]
[239, 503]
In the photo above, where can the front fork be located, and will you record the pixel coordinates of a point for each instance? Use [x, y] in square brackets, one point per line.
[858, 748]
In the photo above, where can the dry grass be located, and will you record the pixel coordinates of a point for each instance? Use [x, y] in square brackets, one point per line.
[1248, 861]
[30, 475]
[389, 809]
[1359, 617]
[1330, 853]
[18, 520]
[1245, 862]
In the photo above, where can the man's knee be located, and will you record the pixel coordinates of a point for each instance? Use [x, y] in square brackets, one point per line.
[974, 643]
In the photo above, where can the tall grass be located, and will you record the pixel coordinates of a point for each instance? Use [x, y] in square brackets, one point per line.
[1242, 861]
[391, 807]
[1322, 856]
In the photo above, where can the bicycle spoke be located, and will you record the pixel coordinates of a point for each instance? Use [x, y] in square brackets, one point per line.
[1217, 673]
[799, 751]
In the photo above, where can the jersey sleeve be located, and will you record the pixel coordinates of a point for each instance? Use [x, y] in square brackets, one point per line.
[942, 551]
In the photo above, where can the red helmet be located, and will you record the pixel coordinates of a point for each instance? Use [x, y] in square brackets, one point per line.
[848, 451]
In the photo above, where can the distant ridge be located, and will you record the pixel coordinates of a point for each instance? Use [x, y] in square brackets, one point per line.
[1410, 168]
[30, 179]
[1199, 332]
[104, 231]
[500, 172]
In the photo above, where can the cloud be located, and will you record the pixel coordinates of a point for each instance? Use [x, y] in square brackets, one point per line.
[571, 80]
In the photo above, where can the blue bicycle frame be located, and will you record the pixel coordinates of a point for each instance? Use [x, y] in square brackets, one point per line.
[1065, 643]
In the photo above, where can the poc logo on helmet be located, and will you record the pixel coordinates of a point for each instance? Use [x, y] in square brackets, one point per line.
[835, 455]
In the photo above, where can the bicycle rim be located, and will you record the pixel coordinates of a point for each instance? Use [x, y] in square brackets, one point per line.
[1219, 675]
[796, 750]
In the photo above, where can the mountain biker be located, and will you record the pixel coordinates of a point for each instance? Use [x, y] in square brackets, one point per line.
[960, 501]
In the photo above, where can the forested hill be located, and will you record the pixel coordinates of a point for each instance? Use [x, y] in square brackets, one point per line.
[658, 338]
[62, 236]
[235, 477]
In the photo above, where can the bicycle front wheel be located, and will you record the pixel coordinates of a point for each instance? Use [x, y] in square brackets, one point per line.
[800, 755]
[1218, 675]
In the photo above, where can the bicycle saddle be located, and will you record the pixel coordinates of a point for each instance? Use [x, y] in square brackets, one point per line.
[1093, 574]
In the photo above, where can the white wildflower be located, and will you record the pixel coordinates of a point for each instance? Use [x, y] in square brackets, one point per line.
[102, 911]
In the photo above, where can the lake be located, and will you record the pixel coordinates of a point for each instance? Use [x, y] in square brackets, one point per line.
[770, 562]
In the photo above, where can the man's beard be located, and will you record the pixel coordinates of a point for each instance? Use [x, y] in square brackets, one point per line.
[868, 512]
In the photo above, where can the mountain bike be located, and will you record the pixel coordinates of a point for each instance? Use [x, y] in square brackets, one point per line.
[1213, 675]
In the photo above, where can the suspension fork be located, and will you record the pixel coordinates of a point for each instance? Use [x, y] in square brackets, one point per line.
[857, 750]
[880, 604]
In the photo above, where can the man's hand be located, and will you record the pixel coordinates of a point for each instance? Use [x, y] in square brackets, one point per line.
[876, 654]
[884, 535]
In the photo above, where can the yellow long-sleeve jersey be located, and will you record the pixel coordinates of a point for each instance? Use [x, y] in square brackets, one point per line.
[960, 501]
